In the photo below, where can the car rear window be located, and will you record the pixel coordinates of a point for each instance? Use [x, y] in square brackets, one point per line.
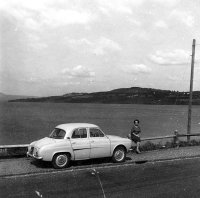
[80, 133]
[57, 133]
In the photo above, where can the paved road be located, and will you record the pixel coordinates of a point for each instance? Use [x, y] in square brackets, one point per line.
[15, 166]
[170, 178]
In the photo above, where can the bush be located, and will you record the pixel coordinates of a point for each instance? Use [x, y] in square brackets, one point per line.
[149, 146]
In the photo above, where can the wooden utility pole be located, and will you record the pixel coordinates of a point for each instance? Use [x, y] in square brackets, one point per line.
[191, 89]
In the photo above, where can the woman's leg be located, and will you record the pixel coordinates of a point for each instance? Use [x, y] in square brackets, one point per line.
[138, 147]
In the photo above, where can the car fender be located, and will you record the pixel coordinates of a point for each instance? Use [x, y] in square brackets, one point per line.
[126, 143]
[117, 146]
[48, 152]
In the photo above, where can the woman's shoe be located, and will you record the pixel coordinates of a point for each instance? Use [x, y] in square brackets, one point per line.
[138, 151]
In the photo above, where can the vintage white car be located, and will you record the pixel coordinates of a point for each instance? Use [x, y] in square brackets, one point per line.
[78, 141]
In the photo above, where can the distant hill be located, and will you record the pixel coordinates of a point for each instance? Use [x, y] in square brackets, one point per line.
[6, 97]
[133, 95]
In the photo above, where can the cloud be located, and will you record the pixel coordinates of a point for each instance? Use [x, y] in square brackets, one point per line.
[183, 16]
[55, 18]
[119, 6]
[161, 24]
[79, 72]
[137, 69]
[79, 43]
[101, 46]
[125, 6]
[105, 44]
[134, 21]
[28, 4]
[36, 14]
[176, 57]
[35, 42]
[173, 78]
[168, 3]
[32, 79]
[63, 84]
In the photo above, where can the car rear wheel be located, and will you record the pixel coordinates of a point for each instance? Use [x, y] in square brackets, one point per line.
[61, 160]
[119, 154]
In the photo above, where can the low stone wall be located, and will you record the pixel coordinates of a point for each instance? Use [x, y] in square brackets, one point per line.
[13, 150]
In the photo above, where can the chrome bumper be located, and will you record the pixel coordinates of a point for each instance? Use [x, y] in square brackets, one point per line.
[33, 156]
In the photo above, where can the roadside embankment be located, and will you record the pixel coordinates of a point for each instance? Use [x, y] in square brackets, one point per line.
[23, 166]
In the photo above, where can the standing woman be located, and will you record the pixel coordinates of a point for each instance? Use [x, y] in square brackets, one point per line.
[135, 131]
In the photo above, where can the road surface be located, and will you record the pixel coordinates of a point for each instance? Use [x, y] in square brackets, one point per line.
[170, 178]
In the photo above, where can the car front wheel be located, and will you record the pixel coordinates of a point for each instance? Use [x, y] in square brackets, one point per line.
[119, 154]
[61, 160]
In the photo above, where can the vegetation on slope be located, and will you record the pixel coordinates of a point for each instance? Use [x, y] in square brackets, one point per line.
[133, 95]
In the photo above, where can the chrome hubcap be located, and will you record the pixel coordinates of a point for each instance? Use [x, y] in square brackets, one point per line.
[61, 160]
[119, 155]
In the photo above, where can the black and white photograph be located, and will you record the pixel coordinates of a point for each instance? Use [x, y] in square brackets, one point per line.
[99, 98]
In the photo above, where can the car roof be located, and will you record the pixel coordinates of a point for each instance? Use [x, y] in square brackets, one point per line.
[70, 126]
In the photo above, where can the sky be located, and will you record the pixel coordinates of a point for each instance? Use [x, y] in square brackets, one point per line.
[54, 47]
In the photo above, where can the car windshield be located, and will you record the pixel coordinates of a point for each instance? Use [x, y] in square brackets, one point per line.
[57, 134]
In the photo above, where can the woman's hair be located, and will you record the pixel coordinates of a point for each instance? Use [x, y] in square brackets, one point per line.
[136, 121]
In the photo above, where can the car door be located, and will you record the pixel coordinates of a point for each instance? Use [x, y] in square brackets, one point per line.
[100, 144]
[80, 144]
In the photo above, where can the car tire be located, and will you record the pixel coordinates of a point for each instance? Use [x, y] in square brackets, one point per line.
[119, 154]
[61, 160]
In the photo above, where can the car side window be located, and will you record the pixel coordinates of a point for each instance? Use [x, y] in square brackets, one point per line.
[94, 132]
[80, 133]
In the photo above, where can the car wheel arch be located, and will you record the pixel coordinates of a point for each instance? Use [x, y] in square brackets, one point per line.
[120, 145]
[61, 152]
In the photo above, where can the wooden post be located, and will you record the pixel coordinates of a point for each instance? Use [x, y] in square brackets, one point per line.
[191, 89]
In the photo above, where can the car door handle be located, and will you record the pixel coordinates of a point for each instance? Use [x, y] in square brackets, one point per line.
[92, 141]
[73, 142]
